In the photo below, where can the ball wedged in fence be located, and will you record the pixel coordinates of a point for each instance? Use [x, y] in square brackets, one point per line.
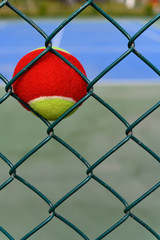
[50, 86]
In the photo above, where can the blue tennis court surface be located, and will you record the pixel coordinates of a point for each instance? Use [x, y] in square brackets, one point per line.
[96, 43]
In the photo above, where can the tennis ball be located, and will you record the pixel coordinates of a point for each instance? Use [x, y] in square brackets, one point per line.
[50, 86]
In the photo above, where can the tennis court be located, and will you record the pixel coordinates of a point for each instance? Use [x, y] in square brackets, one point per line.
[92, 131]
[99, 44]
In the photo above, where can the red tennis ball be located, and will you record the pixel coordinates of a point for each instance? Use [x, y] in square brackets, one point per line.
[50, 86]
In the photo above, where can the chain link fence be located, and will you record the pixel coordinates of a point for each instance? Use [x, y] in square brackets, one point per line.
[51, 136]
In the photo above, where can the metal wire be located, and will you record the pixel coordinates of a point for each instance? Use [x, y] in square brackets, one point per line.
[50, 128]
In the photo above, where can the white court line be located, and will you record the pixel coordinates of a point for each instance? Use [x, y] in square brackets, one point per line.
[119, 83]
[58, 38]
[20, 50]
[3, 24]
[152, 35]
[10, 50]
[149, 33]
[129, 82]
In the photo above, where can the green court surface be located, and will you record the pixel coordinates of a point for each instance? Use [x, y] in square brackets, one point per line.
[92, 131]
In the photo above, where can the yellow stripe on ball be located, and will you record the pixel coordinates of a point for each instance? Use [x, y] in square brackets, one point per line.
[52, 108]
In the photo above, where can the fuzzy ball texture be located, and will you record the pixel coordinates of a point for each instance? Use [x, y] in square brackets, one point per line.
[50, 86]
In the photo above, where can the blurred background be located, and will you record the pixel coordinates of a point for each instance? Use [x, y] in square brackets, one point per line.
[58, 8]
[131, 88]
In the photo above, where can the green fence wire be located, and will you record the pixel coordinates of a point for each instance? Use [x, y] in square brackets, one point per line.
[52, 214]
